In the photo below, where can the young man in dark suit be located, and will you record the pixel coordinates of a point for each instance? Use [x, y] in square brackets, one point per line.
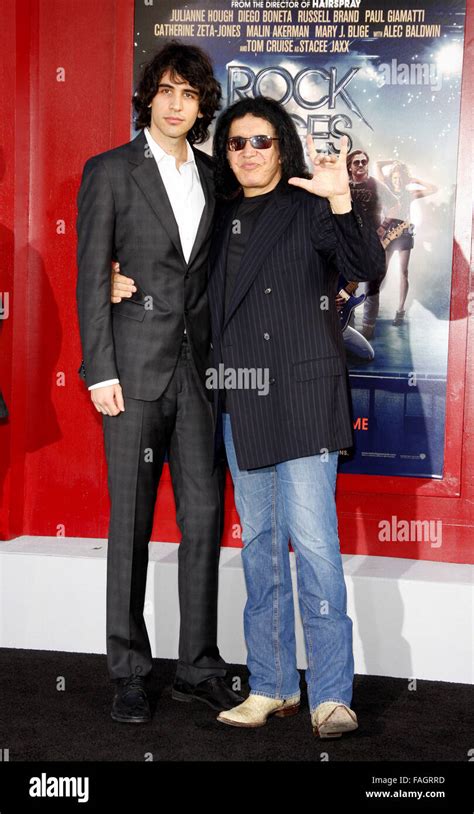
[149, 204]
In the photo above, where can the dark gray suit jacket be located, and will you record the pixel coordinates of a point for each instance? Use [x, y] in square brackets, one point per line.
[125, 214]
[282, 317]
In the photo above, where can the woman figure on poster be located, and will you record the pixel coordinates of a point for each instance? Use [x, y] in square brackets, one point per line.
[397, 234]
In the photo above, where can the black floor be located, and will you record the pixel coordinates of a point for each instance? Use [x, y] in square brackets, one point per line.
[56, 706]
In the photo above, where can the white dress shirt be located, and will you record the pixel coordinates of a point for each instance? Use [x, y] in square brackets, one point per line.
[184, 190]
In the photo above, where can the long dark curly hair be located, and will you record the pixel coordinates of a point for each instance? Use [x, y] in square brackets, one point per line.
[291, 150]
[183, 62]
[402, 168]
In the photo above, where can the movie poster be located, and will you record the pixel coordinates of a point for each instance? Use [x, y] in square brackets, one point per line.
[387, 75]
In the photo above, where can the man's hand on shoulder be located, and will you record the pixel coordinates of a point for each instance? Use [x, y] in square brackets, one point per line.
[330, 177]
[108, 400]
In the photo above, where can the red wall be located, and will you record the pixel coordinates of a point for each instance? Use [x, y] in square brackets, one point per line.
[52, 468]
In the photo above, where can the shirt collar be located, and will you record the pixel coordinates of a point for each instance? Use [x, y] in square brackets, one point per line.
[160, 155]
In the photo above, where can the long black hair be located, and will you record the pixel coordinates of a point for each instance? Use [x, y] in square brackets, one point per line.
[404, 175]
[291, 150]
[183, 62]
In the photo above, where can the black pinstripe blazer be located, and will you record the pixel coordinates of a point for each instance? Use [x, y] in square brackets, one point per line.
[282, 317]
[125, 214]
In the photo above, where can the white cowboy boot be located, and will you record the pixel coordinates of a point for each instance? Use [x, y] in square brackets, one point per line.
[256, 709]
[331, 720]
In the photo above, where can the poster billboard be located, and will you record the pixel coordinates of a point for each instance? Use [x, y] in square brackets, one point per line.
[388, 76]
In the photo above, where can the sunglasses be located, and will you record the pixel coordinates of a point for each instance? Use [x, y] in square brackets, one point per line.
[236, 143]
[362, 161]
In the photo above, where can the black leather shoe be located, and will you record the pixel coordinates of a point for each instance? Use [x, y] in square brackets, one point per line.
[130, 704]
[214, 692]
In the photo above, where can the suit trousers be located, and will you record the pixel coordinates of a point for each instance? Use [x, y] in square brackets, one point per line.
[136, 441]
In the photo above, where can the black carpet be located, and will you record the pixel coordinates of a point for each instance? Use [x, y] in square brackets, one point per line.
[56, 706]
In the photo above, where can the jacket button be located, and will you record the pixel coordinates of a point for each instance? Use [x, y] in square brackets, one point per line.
[266, 335]
[272, 380]
[267, 291]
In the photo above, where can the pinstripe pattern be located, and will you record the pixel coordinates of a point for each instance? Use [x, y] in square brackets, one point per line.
[290, 268]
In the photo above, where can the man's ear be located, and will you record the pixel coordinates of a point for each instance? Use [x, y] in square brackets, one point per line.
[200, 115]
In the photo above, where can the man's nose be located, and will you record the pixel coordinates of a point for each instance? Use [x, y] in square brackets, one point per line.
[248, 149]
[176, 101]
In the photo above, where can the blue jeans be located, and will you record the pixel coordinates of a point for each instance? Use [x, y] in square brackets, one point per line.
[294, 499]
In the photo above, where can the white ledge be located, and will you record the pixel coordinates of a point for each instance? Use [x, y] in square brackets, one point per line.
[411, 618]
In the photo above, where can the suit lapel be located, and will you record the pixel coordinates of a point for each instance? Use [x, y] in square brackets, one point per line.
[148, 177]
[217, 263]
[271, 224]
[205, 223]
